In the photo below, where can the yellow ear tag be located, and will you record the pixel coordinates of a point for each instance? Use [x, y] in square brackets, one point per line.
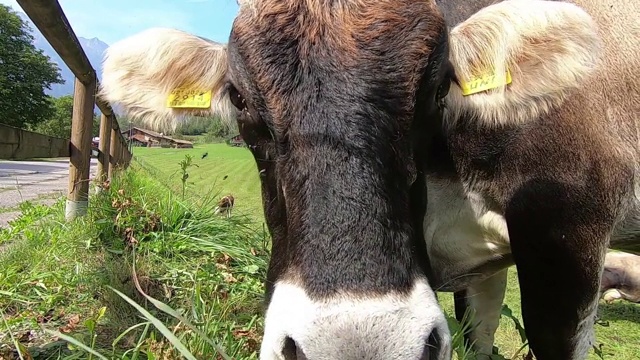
[484, 82]
[188, 98]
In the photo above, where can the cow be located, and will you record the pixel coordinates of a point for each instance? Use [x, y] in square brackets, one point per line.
[406, 147]
[621, 277]
[225, 205]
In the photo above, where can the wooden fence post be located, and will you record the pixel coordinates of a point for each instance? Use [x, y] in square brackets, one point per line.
[120, 151]
[80, 146]
[113, 161]
[127, 153]
[105, 145]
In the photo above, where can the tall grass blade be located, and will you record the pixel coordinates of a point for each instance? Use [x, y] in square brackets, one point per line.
[13, 339]
[159, 325]
[167, 309]
[75, 342]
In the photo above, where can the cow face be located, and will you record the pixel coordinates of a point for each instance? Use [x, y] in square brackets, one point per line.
[325, 95]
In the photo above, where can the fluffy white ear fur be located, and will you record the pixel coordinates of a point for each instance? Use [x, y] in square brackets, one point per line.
[140, 72]
[549, 48]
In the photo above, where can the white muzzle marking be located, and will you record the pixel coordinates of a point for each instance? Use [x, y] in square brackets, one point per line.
[348, 328]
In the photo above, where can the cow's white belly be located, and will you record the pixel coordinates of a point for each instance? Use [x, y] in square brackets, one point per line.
[462, 235]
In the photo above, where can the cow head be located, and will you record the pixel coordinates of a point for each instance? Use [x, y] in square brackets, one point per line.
[336, 100]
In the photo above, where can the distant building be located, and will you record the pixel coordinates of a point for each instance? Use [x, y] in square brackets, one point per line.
[182, 144]
[95, 142]
[148, 138]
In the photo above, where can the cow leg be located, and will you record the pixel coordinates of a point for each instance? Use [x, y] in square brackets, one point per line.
[621, 277]
[484, 299]
[558, 239]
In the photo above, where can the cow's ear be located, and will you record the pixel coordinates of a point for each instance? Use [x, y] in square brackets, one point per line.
[516, 60]
[161, 75]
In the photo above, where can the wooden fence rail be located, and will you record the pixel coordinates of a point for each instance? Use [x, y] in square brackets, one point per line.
[49, 18]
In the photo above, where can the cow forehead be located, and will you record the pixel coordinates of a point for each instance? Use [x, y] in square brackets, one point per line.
[278, 38]
[367, 18]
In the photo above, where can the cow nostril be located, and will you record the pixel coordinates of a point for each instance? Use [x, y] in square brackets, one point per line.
[431, 349]
[290, 351]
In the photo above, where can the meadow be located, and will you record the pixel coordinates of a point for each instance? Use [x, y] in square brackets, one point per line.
[225, 170]
[144, 235]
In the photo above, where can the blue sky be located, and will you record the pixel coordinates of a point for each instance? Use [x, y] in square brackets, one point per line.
[113, 20]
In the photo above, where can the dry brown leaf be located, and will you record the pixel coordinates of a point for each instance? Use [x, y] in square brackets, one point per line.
[72, 323]
[229, 278]
[251, 337]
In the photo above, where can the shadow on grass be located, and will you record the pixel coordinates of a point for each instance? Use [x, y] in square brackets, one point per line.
[618, 311]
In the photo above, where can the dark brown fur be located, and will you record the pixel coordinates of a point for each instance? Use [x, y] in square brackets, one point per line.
[305, 70]
[457, 11]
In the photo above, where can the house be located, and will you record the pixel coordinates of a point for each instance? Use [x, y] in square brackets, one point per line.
[237, 141]
[147, 138]
[95, 142]
[181, 144]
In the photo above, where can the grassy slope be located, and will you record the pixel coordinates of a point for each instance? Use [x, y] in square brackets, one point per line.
[621, 337]
[57, 275]
[207, 178]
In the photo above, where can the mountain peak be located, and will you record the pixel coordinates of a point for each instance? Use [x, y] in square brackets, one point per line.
[94, 48]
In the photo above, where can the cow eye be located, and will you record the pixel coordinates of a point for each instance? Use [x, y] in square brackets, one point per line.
[236, 99]
[443, 90]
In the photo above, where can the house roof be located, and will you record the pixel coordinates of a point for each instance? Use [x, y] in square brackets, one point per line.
[152, 134]
[148, 132]
[140, 138]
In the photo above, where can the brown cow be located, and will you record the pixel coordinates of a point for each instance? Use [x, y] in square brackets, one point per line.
[359, 111]
[225, 205]
[621, 277]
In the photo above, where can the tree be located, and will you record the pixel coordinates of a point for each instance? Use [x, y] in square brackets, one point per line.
[59, 124]
[211, 127]
[25, 73]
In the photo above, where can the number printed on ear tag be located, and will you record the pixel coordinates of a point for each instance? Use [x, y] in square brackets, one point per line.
[189, 98]
[486, 81]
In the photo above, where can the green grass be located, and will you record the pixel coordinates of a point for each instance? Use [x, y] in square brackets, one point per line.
[60, 276]
[208, 176]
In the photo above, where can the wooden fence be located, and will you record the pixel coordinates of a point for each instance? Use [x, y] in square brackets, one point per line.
[113, 152]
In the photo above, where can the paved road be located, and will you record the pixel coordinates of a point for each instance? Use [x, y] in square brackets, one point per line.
[29, 180]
